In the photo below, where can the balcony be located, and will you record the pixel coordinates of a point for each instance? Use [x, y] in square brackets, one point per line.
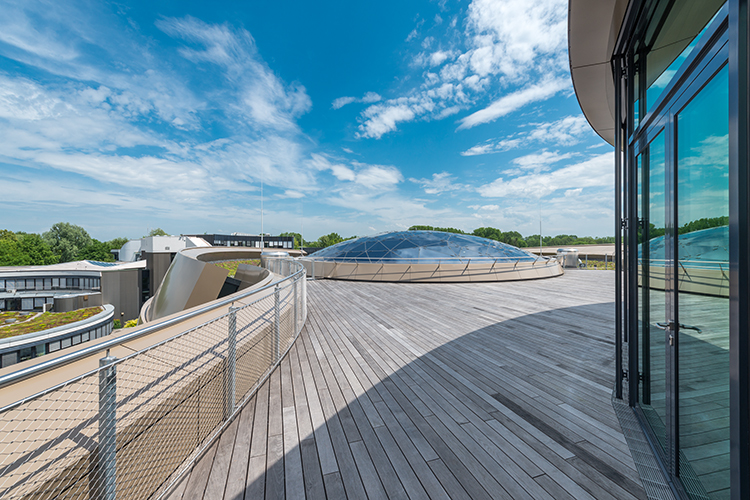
[490, 390]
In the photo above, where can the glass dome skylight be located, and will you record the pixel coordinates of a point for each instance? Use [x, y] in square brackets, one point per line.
[422, 247]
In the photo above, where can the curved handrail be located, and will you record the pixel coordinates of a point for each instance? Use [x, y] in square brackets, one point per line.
[71, 357]
[198, 379]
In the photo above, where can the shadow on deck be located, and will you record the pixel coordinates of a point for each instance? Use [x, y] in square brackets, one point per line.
[435, 391]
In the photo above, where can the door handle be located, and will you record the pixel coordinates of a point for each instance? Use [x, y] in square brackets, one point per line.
[669, 325]
[690, 327]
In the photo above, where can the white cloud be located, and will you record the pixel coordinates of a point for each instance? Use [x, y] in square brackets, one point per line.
[372, 177]
[597, 171]
[289, 193]
[439, 183]
[382, 119]
[566, 131]
[368, 98]
[439, 57]
[489, 147]
[122, 124]
[511, 102]
[378, 177]
[340, 102]
[262, 96]
[515, 45]
[537, 161]
[515, 36]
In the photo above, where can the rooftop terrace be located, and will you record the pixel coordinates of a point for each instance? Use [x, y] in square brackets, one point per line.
[483, 390]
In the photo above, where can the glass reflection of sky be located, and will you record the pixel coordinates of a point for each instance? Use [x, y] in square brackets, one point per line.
[705, 249]
[422, 247]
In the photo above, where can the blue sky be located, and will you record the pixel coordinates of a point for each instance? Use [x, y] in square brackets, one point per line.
[357, 117]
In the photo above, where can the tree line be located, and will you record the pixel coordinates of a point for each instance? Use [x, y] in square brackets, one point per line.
[688, 227]
[64, 242]
[518, 240]
[324, 241]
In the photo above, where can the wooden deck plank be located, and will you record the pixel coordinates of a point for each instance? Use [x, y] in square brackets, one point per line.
[492, 390]
[237, 476]
[217, 478]
[196, 485]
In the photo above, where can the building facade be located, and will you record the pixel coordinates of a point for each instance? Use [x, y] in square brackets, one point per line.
[247, 240]
[666, 82]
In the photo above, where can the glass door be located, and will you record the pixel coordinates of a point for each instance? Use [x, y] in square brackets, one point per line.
[683, 292]
[652, 256]
[702, 289]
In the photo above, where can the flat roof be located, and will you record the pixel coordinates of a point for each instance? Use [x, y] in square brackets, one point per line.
[79, 265]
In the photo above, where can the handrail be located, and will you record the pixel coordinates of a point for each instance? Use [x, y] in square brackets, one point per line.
[71, 357]
[127, 410]
[418, 260]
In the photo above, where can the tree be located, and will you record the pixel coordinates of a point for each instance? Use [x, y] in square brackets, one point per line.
[66, 240]
[36, 250]
[23, 249]
[329, 239]
[510, 237]
[96, 250]
[297, 238]
[157, 232]
[441, 229]
[117, 243]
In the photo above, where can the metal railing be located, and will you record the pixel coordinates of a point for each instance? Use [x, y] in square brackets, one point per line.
[132, 427]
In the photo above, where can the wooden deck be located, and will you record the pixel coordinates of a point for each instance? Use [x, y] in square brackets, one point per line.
[435, 391]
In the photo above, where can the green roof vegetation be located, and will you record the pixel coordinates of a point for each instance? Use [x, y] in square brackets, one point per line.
[41, 321]
[232, 265]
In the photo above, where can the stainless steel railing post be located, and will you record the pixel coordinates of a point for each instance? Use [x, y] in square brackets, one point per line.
[231, 368]
[107, 453]
[277, 323]
[296, 318]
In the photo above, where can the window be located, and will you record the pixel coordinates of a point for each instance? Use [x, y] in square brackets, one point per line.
[48, 283]
[53, 346]
[55, 283]
[10, 358]
[27, 304]
[65, 343]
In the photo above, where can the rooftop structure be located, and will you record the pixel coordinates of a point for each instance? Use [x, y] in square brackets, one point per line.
[247, 240]
[428, 256]
[135, 250]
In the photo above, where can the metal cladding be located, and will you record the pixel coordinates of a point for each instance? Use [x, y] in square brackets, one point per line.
[428, 256]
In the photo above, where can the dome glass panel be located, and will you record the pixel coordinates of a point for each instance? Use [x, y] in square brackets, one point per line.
[422, 247]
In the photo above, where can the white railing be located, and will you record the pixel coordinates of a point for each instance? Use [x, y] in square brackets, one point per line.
[132, 427]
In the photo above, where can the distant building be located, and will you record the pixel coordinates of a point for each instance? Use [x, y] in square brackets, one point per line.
[246, 240]
[158, 253]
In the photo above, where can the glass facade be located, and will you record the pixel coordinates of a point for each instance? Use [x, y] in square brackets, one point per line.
[423, 247]
[675, 178]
